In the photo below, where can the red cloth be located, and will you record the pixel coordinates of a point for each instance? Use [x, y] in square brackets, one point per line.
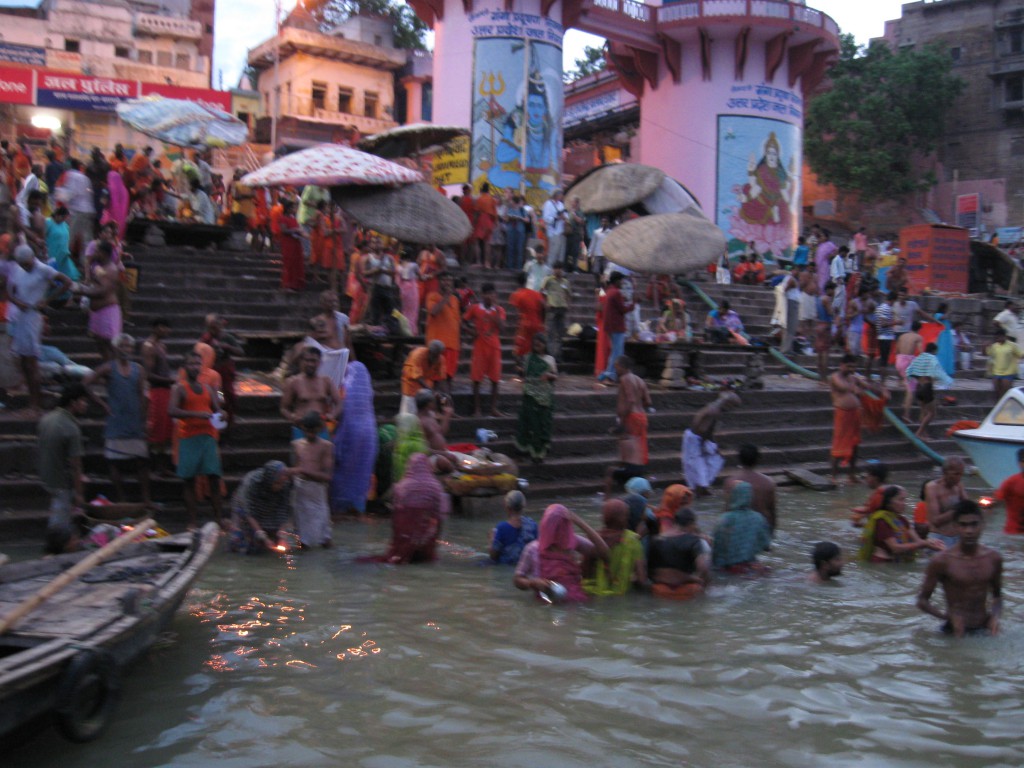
[615, 310]
[420, 504]
[678, 592]
[293, 269]
[603, 348]
[530, 305]
[1012, 492]
[159, 426]
[636, 426]
[845, 432]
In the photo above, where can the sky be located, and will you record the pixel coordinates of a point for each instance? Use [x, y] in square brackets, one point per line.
[243, 25]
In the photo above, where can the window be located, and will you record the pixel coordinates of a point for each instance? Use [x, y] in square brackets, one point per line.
[182, 61]
[1016, 36]
[954, 53]
[319, 95]
[345, 100]
[122, 53]
[72, 46]
[243, 116]
[370, 104]
[378, 40]
[1013, 89]
[1011, 414]
[145, 57]
[163, 58]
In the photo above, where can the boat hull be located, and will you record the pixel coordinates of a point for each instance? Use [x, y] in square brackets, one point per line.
[995, 458]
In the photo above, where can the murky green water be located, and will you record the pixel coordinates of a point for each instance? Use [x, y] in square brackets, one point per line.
[316, 660]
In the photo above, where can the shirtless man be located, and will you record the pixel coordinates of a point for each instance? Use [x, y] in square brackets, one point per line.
[762, 485]
[435, 430]
[311, 470]
[967, 572]
[941, 496]
[631, 425]
[846, 388]
[896, 278]
[828, 562]
[908, 346]
[309, 391]
[101, 288]
[701, 460]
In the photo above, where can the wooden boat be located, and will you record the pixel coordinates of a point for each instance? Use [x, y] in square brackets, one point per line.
[66, 658]
[994, 444]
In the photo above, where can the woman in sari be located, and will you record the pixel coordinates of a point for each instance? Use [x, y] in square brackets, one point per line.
[117, 203]
[558, 549]
[536, 413]
[742, 534]
[261, 511]
[625, 565]
[355, 443]
[673, 499]
[355, 287]
[420, 506]
[888, 536]
[409, 281]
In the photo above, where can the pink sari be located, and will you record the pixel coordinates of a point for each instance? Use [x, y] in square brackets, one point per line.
[117, 208]
[556, 548]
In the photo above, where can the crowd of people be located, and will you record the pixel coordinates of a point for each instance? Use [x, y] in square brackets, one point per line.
[162, 416]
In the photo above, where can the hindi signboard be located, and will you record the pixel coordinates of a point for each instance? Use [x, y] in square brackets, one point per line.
[92, 94]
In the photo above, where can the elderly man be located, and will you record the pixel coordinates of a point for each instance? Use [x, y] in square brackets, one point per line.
[425, 368]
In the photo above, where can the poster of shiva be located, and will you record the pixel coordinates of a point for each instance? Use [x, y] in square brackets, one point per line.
[758, 184]
[517, 103]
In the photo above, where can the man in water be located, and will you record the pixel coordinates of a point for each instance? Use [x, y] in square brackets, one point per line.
[942, 497]
[828, 562]
[631, 427]
[435, 429]
[309, 391]
[701, 460]
[967, 572]
[762, 485]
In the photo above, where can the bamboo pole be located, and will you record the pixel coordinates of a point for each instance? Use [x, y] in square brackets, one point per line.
[71, 574]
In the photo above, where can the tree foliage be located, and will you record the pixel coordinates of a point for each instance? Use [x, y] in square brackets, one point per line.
[882, 117]
[409, 29]
[593, 61]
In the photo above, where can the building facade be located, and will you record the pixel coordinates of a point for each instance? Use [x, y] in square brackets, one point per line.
[69, 63]
[326, 87]
[982, 152]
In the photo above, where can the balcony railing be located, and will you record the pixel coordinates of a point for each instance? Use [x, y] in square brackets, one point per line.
[304, 107]
[695, 10]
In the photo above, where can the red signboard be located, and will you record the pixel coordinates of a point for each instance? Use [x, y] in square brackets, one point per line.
[938, 257]
[968, 208]
[217, 99]
[15, 85]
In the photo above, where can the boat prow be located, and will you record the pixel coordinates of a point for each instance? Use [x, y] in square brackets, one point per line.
[993, 445]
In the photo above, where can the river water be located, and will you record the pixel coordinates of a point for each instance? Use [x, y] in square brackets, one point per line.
[316, 660]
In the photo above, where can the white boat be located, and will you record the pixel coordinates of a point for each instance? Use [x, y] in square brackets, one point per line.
[993, 446]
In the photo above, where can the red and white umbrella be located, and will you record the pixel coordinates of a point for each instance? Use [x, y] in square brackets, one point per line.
[331, 165]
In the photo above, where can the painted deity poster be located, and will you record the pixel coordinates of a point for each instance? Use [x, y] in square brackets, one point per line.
[758, 185]
[517, 103]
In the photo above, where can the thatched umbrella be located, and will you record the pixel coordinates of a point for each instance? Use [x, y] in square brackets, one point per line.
[415, 213]
[665, 243]
[614, 186]
[669, 197]
[410, 140]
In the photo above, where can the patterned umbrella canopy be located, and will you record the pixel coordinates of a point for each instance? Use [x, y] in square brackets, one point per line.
[183, 123]
[411, 140]
[331, 165]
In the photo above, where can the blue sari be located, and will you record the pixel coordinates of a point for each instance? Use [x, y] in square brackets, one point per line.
[355, 442]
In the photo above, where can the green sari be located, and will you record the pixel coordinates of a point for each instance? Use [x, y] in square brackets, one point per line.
[868, 543]
[536, 413]
[410, 441]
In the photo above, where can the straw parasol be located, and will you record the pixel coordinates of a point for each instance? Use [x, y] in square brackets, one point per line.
[665, 243]
[669, 197]
[331, 165]
[614, 186]
[183, 123]
[410, 140]
[415, 213]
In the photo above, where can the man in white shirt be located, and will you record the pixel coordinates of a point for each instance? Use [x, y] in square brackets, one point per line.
[596, 252]
[837, 269]
[76, 192]
[553, 213]
[536, 268]
[30, 285]
[1009, 321]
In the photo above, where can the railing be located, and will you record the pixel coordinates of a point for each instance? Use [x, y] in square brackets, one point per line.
[693, 10]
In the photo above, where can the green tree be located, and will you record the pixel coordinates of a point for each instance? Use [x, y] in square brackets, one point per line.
[409, 29]
[593, 61]
[882, 117]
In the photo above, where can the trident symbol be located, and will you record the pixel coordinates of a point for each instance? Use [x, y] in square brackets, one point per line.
[487, 86]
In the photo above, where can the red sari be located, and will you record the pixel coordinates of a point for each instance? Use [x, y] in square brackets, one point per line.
[420, 505]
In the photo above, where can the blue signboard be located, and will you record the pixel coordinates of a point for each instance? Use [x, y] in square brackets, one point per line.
[91, 94]
[23, 54]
